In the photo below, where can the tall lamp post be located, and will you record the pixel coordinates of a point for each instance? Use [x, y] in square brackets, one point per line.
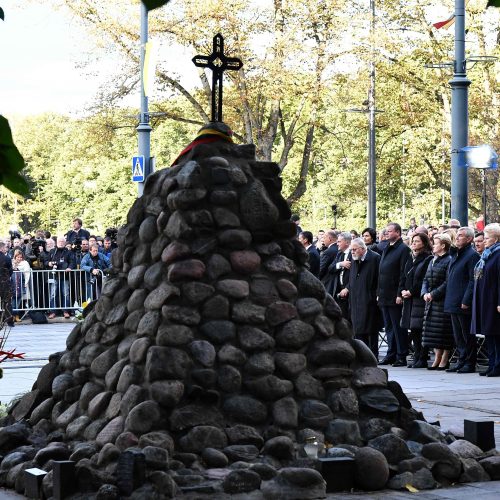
[459, 119]
[372, 157]
[459, 114]
[144, 127]
[371, 110]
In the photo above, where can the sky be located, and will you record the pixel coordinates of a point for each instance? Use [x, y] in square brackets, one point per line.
[40, 52]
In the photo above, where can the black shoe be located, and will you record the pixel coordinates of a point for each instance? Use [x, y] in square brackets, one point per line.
[494, 373]
[387, 361]
[420, 364]
[455, 368]
[399, 362]
[467, 369]
[11, 324]
[443, 368]
[483, 374]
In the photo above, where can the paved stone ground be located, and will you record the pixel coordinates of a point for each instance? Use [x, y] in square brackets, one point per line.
[37, 342]
[445, 397]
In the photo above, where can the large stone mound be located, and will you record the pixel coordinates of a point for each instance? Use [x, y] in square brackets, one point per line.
[213, 354]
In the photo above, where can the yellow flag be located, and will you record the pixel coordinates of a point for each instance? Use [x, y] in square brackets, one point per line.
[149, 70]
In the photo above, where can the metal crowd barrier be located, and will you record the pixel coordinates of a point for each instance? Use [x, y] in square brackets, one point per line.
[54, 290]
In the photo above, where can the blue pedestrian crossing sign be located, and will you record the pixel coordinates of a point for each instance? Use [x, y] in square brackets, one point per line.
[138, 168]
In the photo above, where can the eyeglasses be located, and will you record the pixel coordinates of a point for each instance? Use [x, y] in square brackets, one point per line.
[356, 249]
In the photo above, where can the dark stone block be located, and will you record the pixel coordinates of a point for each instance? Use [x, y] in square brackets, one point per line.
[33, 482]
[338, 472]
[481, 433]
[131, 471]
[63, 478]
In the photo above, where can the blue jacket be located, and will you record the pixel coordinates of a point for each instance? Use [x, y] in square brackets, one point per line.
[460, 281]
[87, 263]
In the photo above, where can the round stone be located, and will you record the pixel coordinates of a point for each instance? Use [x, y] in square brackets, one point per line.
[142, 418]
[372, 469]
[245, 261]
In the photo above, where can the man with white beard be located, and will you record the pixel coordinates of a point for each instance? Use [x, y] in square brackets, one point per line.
[362, 286]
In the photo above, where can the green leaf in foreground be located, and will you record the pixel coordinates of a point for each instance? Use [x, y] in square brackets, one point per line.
[11, 161]
[2, 17]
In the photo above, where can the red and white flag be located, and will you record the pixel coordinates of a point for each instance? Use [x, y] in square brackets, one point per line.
[448, 22]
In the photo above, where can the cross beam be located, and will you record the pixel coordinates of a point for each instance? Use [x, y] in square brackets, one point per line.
[218, 62]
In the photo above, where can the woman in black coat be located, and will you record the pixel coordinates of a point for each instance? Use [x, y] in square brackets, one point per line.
[437, 330]
[412, 317]
[486, 298]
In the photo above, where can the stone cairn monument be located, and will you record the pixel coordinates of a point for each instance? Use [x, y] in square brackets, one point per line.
[213, 355]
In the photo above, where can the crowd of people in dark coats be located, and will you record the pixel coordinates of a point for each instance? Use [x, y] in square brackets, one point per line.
[55, 292]
[426, 288]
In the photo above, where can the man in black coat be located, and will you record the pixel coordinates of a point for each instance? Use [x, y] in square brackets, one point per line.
[77, 233]
[390, 285]
[60, 259]
[339, 269]
[327, 257]
[5, 284]
[362, 286]
[458, 300]
[306, 238]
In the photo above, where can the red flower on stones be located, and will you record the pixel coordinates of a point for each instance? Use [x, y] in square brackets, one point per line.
[10, 355]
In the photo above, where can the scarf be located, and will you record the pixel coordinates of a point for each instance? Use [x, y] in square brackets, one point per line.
[488, 252]
[212, 132]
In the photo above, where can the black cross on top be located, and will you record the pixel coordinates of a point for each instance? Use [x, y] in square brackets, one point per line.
[218, 62]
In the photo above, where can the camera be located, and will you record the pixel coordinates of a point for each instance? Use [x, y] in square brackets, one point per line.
[14, 235]
[111, 232]
[77, 245]
[36, 244]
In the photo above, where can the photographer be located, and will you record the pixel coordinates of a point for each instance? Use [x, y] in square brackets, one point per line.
[80, 249]
[77, 232]
[94, 263]
[107, 247]
[34, 253]
[15, 242]
[60, 259]
[5, 285]
[37, 263]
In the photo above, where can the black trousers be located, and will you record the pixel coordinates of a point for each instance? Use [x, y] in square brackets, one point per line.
[6, 299]
[493, 344]
[397, 337]
[465, 342]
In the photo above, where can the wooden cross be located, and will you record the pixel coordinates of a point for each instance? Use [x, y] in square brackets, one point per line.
[218, 62]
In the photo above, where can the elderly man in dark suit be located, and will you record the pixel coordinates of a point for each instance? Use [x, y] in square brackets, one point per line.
[327, 257]
[306, 238]
[362, 289]
[390, 285]
[339, 268]
[458, 300]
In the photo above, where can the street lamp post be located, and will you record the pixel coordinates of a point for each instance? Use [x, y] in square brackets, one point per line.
[459, 119]
[371, 110]
[372, 157]
[144, 128]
